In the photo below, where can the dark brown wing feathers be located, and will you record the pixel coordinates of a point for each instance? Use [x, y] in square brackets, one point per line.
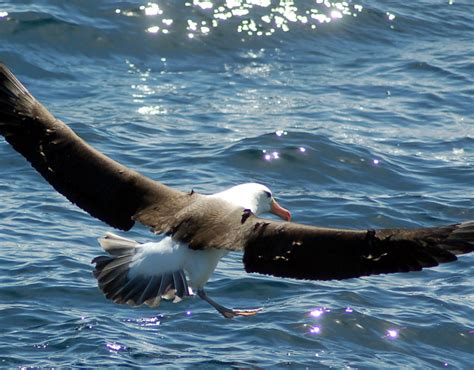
[306, 252]
[104, 188]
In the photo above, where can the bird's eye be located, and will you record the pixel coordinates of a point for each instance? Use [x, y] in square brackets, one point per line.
[268, 194]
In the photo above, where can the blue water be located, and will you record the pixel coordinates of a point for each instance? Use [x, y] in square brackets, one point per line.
[356, 115]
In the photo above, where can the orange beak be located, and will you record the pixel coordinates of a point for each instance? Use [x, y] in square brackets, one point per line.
[278, 210]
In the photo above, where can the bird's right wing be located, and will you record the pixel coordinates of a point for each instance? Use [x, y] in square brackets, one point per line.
[104, 188]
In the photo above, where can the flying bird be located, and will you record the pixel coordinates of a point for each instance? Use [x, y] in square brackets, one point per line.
[200, 229]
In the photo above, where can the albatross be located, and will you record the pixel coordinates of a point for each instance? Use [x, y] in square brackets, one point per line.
[200, 229]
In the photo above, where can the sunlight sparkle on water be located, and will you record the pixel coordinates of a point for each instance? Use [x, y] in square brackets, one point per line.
[153, 29]
[146, 321]
[151, 9]
[3, 14]
[115, 347]
[192, 26]
[302, 149]
[317, 312]
[315, 330]
[254, 18]
[280, 133]
[278, 15]
[203, 4]
[152, 110]
[349, 310]
[392, 333]
[270, 156]
[150, 321]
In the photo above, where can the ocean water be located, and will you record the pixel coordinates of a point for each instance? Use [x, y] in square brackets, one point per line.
[357, 114]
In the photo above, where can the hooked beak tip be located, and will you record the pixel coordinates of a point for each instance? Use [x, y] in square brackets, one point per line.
[280, 211]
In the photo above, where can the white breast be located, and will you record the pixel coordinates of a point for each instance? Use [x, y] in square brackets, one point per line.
[157, 258]
[200, 264]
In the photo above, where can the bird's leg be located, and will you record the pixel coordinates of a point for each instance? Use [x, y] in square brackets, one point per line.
[224, 311]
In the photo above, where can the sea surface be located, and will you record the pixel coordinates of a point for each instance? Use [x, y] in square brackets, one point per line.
[356, 114]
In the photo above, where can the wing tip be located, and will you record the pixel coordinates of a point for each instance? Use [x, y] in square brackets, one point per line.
[12, 92]
[461, 239]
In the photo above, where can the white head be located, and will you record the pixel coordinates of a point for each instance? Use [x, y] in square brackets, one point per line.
[256, 197]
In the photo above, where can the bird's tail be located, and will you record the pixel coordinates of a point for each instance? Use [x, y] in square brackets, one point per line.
[122, 280]
[117, 245]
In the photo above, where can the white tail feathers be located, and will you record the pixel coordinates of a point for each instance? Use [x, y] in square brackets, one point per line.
[122, 277]
[117, 245]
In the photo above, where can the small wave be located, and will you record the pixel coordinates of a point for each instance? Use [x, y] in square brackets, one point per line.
[316, 159]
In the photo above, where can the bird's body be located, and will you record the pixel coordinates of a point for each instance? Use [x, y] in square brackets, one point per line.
[147, 272]
[200, 229]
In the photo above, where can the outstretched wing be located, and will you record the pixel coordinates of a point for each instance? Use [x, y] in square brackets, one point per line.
[306, 252]
[107, 190]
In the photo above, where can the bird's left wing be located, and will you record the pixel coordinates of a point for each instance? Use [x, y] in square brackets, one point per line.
[306, 252]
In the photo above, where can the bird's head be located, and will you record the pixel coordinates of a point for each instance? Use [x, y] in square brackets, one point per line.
[256, 197]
